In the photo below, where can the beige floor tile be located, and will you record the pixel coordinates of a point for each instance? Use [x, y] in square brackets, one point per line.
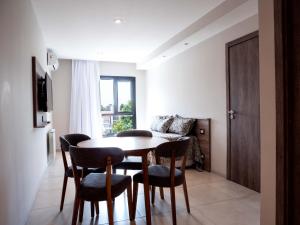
[54, 183]
[195, 178]
[51, 216]
[202, 194]
[194, 218]
[160, 206]
[231, 212]
[232, 189]
[52, 198]
[252, 201]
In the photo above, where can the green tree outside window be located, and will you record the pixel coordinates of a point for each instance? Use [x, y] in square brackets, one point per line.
[125, 122]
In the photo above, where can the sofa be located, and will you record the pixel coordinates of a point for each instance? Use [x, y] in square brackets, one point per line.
[173, 128]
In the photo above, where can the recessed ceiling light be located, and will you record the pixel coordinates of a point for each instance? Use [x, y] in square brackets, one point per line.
[118, 20]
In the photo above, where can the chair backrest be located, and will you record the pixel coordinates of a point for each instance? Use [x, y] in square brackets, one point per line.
[135, 133]
[71, 139]
[178, 148]
[67, 140]
[174, 150]
[96, 157]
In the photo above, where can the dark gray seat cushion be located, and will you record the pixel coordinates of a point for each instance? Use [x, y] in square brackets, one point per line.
[93, 186]
[130, 163]
[69, 171]
[159, 176]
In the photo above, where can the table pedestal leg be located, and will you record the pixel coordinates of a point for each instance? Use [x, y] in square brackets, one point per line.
[146, 190]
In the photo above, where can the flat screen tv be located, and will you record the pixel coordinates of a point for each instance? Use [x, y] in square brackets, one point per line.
[49, 95]
[42, 94]
[45, 102]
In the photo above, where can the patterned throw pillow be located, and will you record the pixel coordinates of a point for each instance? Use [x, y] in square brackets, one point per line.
[161, 123]
[181, 125]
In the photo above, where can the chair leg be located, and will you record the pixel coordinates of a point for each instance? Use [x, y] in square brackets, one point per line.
[153, 195]
[129, 199]
[110, 211]
[173, 203]
[92, 210]
[63, 193]
[161, 191]
[125, 172]
[134, 201]
[186, 197]
[81, 211]
[97, 207]
[75, 210]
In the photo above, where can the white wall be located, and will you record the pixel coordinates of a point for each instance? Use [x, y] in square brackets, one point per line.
[267, 112]
[62, 87]
[193, 84]
[23, 156]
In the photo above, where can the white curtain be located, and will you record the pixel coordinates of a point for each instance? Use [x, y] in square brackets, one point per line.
[84, 110]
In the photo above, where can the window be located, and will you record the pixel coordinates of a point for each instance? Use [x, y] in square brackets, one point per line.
[117, 96]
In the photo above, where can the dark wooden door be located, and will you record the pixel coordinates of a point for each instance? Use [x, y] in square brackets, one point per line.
[243, 111]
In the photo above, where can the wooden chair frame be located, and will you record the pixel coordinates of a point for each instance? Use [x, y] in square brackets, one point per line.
[79, 203]
[173, 157]
[65, 138]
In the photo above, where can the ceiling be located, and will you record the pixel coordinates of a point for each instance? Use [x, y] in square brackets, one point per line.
[152, 31]
[77, 29]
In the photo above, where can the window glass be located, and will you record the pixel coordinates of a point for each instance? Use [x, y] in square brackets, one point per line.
[124, 96]
[107, 96]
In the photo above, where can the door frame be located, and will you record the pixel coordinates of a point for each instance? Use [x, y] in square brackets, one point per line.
[286, 72]
[228, 45]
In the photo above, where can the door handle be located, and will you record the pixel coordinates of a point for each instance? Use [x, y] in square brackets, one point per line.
[231, 114]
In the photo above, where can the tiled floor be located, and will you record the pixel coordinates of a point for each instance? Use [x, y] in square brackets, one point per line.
[213, 200]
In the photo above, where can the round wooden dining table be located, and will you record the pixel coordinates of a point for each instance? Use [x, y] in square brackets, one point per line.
[132, 146]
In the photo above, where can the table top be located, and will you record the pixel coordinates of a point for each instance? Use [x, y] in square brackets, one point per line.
[131, 145]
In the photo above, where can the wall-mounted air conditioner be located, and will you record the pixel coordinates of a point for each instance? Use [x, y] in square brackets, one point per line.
[52, 60]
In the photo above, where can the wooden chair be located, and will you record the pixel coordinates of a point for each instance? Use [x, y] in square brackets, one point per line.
[132, 163]
[98, 186]
[65, 142]
[162, 176]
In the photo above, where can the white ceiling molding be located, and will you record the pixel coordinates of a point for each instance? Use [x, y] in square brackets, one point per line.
[226, 15]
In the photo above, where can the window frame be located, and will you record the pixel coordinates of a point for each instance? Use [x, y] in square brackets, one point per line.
[116, 111]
